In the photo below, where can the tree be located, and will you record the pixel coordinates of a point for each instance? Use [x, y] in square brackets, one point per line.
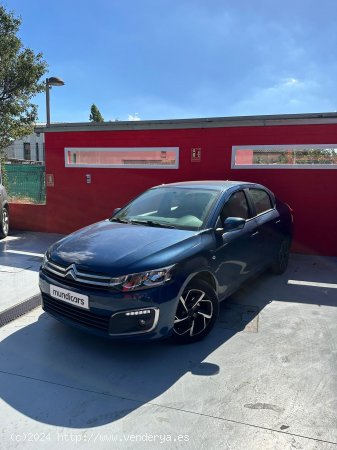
[95, 115]
[20, 72]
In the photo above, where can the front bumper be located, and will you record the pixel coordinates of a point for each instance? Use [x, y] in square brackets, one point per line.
[142, 315]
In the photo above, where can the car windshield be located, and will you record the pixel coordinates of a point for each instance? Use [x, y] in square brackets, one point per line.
[169, 207]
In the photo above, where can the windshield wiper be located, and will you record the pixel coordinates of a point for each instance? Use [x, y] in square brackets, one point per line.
[117, 219]
[152, 223]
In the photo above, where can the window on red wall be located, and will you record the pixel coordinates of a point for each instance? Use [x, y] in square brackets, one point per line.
[148, 158]
[304, 156]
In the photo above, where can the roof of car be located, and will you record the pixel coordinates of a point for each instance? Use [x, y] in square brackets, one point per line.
[218, 185]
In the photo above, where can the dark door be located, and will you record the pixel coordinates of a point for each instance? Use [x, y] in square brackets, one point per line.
[235, 255]
[268, 220]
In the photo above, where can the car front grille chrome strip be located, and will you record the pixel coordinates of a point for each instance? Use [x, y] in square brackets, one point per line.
[72, 273]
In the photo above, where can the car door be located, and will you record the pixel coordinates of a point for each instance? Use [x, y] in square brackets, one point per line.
[235, 254]
[267, 218]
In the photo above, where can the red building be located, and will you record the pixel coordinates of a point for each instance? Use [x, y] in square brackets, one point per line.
[93, 168]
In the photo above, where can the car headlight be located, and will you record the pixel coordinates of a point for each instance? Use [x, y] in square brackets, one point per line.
[143, 280]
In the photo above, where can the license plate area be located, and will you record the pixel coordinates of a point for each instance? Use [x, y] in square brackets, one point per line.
[70, 297]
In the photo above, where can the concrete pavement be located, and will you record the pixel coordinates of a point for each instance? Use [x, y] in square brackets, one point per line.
[265, 378]
[20, 259]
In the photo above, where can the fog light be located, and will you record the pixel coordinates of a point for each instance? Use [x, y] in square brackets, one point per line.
[138, 313]
[133, 321]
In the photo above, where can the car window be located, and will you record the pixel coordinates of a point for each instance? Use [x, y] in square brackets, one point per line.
[149, 203]
[261, 200]
[177, 207]
[236, 206]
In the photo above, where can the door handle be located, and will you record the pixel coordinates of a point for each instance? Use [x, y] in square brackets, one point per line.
[254, 234]
[278, 221]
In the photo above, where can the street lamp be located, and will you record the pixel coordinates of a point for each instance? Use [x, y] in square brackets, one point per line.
[52, 81]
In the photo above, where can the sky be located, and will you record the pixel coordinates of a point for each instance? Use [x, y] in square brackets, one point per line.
[171, 59]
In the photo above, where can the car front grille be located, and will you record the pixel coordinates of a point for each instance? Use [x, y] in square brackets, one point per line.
[78, 315]
[76, 277]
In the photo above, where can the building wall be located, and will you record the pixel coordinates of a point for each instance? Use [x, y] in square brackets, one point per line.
[72, 203]
[16, 149]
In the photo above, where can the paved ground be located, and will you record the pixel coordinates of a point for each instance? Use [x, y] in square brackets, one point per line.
[264, 379]
[20, 258]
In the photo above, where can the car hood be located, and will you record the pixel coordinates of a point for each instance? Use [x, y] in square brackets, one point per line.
[117, 249]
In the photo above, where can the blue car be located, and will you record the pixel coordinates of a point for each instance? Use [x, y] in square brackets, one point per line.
[160, 266]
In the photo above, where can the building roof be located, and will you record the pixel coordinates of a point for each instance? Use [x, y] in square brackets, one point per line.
[208, 122]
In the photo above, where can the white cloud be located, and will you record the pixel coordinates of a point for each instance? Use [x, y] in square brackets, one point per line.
[133, 117]
[288, 95]
[290, 82]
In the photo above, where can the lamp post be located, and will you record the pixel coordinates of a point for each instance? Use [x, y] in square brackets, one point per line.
[52, 81]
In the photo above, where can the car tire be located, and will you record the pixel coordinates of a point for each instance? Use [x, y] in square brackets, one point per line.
[4, 223]
[280, 263]
[196, 313]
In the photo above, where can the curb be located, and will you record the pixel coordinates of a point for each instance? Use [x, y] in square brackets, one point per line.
[20, 309]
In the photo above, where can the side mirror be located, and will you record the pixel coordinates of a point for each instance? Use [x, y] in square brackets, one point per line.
[115, 211]
[232, 224]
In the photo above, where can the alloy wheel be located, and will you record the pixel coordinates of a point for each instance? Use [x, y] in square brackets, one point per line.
[194, 313]
[5, 222]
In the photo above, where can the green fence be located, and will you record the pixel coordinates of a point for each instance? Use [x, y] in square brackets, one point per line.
[26, 183]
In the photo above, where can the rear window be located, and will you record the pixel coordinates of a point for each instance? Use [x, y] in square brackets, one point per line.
[261, 199]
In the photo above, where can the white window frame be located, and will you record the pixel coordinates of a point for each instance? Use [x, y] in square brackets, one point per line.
[121, 149]
[285, 149]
